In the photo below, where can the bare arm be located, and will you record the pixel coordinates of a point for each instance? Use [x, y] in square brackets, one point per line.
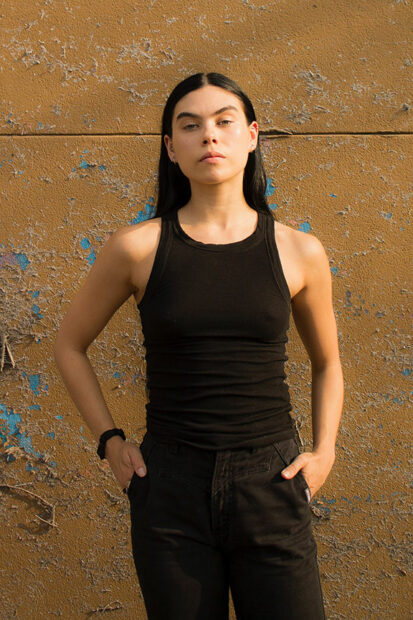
[107, 286]
[313, 314]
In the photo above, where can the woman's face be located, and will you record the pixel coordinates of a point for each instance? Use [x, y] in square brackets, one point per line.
[197, 129]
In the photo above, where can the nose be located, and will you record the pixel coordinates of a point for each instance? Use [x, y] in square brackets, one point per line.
[209, 135]
[209, 139]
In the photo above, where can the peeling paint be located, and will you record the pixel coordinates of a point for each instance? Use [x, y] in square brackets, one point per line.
[82, 92]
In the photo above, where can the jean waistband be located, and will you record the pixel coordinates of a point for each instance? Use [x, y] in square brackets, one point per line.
[175, 446]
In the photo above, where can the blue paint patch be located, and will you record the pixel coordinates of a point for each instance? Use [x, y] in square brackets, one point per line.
[34, 383]
[36, 310]
[334, 270]
[12, 421]
[22, 260]
[31, 467]
[85, 245]
[37, 407]
[270, 188]
[84, 164]
[35, 294]
[26, 443]
[146, 213]
[51, 435]
[91, 257]
[11, 418]
[102, 167]
[3, 435]
[388, 215]
[304, 227]
[59, 417]
[333, 195]
[116, 374]
[406, 372]
[273, 206]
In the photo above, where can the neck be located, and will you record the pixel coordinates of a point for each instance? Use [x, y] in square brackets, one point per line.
[220, 204]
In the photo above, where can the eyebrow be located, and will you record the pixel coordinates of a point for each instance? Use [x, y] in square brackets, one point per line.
[192, 115]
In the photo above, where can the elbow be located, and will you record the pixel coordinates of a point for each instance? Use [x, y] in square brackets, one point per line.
[62, 346]
[328, 365]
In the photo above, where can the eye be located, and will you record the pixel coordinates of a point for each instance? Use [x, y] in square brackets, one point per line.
[226, 121]
[189, 126]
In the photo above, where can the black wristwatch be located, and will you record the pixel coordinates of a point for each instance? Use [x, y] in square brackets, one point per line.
[105, 436]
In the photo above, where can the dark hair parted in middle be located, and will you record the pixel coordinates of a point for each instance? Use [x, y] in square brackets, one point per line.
[174, 189]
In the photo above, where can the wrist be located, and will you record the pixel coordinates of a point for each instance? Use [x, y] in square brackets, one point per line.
[113, 444]
[327, 452]
[105, 437]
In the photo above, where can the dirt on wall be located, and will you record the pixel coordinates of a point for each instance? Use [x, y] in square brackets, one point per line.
[82, 89]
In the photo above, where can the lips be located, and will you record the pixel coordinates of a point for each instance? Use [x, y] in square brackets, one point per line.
[212, 154]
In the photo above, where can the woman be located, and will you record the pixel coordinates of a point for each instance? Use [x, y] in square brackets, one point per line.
[219, 492]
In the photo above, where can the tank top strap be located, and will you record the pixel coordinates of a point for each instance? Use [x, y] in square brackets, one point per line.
[274, 257]
[161, 257]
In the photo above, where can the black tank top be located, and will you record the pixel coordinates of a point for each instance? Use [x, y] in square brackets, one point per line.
[215, 319]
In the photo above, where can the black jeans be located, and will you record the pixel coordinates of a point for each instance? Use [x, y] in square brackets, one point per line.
[204, 521]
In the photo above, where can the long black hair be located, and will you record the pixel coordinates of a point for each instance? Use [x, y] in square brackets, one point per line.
[174, 189]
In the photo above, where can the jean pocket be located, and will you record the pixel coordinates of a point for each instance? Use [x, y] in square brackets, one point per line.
[288, 450]
[146, 446]
[128, 488]
[305, 485]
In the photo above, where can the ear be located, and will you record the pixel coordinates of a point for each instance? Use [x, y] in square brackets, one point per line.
[168, 143]
[253, 129]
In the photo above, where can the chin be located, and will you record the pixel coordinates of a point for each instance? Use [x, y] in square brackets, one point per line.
[208, 176]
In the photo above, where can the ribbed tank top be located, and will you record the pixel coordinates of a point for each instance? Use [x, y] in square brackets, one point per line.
[215, 319]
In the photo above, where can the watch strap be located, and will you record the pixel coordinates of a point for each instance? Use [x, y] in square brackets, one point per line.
[105, 436]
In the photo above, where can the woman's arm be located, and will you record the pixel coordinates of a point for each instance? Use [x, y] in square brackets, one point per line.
[107, 286]
[313, 314]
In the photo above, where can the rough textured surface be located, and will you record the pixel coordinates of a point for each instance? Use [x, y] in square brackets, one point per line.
[82, 90]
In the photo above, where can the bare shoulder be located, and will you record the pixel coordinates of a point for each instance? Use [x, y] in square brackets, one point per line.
[303, 244]
[138, 244]
[302, 256]
[138, 240]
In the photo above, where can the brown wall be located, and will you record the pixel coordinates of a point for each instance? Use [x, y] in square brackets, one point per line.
[82, 87]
